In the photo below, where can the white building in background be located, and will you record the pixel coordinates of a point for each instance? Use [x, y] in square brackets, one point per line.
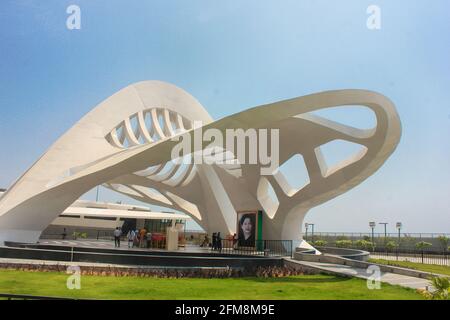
[82, 215]
[126, 144]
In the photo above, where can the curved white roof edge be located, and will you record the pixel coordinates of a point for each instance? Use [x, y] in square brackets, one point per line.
[125, 144]
[117, 213]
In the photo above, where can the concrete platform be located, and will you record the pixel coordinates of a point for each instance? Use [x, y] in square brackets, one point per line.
[104, 253]
[109, 244]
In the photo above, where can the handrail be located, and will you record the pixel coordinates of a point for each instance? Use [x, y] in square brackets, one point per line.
[268, 248]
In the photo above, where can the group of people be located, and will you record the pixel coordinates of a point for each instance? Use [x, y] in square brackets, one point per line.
[246, 237]
[216, 241]
[135, 237]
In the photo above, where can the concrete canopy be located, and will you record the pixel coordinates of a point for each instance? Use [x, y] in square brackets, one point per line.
[125, 144]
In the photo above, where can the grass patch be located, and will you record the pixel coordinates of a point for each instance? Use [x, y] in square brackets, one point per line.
[414, 265]
[252, 288]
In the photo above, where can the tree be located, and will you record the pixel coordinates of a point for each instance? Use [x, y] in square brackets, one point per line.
[444, 241]
[422, 245]
[390, 246]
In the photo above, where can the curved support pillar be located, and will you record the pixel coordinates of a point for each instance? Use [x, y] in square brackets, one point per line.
[285, 228]
[221, 213]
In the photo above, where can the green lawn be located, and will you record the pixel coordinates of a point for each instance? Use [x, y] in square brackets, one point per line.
[413, 265]
[295, 287]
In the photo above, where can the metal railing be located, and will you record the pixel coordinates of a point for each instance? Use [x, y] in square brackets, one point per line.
[266, 248]
[415, 256]
[407, 240]
[428, 248]
[419, 235]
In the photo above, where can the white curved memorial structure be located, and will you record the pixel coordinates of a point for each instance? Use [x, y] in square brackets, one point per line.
[126, 144]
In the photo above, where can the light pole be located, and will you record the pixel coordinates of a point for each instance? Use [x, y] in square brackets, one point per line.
[385, 232]
[399, 227]
[312, 232]
[306, 229]
[372, 225]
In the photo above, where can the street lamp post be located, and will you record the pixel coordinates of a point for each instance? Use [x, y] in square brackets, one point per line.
[306, 231]
[399, 227]
[312, 231]
[385, 233]
[372, 225]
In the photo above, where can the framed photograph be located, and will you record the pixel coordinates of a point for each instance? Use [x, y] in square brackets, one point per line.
[247, 226]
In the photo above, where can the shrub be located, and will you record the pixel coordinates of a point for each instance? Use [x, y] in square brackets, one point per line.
[442, 286]
[364, 244]
[77, 235]
[264, 272]
[320, 243]
[344, 243]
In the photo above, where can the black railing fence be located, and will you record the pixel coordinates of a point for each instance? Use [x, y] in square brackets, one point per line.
[416, 256]
[407, 241]
[429, 248]
[267, 248]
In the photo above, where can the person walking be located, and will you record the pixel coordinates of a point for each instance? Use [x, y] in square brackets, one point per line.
[235, 240]
[149, 239]
[214, 241]
[117, 234]
[142, 236]
[219, 242]
[205, 242]
[130, 236]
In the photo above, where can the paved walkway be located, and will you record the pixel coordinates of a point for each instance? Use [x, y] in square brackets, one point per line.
[109, 244]
[387, 277]
[83, 243]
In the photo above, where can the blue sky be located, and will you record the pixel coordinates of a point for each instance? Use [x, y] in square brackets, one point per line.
[232, 55]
